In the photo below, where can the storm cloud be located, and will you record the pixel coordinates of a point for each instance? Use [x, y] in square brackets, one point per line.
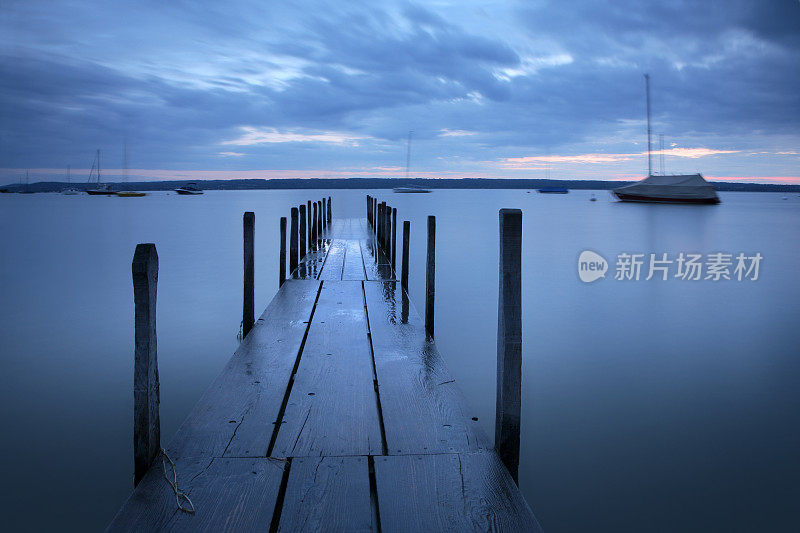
[327, 87]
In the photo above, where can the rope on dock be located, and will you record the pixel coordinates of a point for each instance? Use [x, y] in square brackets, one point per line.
[180, 496]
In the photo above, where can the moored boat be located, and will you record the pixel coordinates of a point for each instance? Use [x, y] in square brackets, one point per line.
[688, 189]
[100, 189]
[189, 188]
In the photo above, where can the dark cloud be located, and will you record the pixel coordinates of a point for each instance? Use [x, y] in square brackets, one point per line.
[177, 79]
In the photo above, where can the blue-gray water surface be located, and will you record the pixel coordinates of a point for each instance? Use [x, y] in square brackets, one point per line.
[647, 405]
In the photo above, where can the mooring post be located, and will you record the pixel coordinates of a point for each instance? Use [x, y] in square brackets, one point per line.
[387, 238]
[330, 215]
[381, 223]
[324, 214]
[248, 305]
[378, 219]
[293, 249]
[394, 240]
[314, 229]
[282, 254]
[374, 213]
[308, 211]
[146, 423]
[404, 269]
[509, 341]
[302, 251]
[369, 209]
[430, 276]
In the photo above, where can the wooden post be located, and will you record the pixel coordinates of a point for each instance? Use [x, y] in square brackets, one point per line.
[369, 209]
[381, 223]
[378, 219]
[303, 249]
[146, 424]
[314, 228]
[320, 225]
[430, 276]
[282, 254]
[394, 239]
[293, 249]
[330, 215]
[387, 238]
[406, 237]
[248, 305]
[509, 341]
[374, 213]
[310, 241]
[324, 214]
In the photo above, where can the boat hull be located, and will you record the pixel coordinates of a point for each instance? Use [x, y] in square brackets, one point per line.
[627, 197]
[100, 192]
[187, 193]
[130, 194]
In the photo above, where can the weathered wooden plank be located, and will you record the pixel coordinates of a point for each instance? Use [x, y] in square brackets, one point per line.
[450, 492]
[332, 409]
[235, 416]
[423, 409]
[376, 264]
[334, 262]
[229, 494]
[311, 265]
[353, 262]
[328, 494]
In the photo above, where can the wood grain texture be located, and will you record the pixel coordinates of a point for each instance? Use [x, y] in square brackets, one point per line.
[327, 494]
[332, 409]
[450, 492]
[146, 421]
[423, 409]
[235, 416]
[334, 262]
[229, 494]
[353, 262]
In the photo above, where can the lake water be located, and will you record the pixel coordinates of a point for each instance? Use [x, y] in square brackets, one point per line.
[647, 405]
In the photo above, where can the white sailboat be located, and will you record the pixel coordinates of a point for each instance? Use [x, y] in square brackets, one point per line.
[69, 191]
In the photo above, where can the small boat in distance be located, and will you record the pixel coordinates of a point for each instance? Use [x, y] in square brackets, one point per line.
[99, 189]
[69, 191]
[407, 190]
[27, 189]
[127, 194]
[553, 190]
[593, 198]
[189, 188]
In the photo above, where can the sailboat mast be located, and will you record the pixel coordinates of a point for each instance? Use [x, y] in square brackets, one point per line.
[68, 180]
[408, 153]
[98, 166]
[649, 152]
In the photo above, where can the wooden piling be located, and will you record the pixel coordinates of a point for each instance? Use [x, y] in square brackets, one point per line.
[430, 276]
[406, 238]
[374, 210]
[248, 300]
[314, 228]
[293, 244]
[303, 248]
[310, 224]
[394, 239]
[282, 254]
[146, 423]
[369, 209]
[509, 341]
[323, 213]
[330, 215]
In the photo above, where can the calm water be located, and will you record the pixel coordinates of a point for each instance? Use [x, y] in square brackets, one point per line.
[647, 405]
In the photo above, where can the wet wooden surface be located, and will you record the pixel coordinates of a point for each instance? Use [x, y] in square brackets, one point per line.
[335, 414]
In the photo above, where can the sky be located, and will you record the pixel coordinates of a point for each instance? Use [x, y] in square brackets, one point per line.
[529, 89]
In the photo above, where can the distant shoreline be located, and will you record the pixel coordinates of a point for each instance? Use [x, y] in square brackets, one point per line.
[376, 183]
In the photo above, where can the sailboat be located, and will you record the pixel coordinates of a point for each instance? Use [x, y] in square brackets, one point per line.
[681, 189]
[127, 194]
[410, 188]
[100, 190]
[69, 190]
[27, 189]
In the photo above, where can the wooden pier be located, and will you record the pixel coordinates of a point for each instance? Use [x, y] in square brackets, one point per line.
[336, 413]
